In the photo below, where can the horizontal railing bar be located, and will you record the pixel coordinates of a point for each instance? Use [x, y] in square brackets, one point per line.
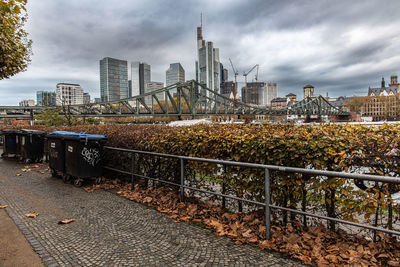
[141, 176]
[377, 178]
[222, 195]
[156, 179]
[337, 220]
[116, 170]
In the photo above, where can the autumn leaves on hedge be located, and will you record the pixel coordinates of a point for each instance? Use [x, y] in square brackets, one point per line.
[350, 148]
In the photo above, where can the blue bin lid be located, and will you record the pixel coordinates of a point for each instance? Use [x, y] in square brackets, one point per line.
[64, 134]
[82, 135]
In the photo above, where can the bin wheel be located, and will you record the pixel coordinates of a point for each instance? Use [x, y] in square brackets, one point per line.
[65, 178]
[98, 181]
[3, 155]
[54, 173]
[78, 182]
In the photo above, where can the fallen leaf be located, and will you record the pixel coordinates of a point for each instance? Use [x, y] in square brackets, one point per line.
[305, 259]
[18, 174]
[173, 216]
[247, 234]
[32, 215]
[3, 206]
[393, 263]
[266, 244]
[383, 256]
[65, 221]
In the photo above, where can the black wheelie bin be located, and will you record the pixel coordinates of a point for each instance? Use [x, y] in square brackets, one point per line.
[56, 153]
[84, 157]
[31, 145]
[10, 144]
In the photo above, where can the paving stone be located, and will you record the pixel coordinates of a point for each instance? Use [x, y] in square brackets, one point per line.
[112, 231]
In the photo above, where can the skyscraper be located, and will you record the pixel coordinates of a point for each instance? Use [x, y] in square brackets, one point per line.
[45, 98]
[140, 76]
[113, 79]
[153, 86]
[175, 73]
[260, 93]
[207, 64]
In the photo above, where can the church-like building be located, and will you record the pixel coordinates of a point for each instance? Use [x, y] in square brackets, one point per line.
[384, 90]
[383, 103]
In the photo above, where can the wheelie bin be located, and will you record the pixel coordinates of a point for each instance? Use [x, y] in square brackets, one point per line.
[10, 143]
[31, 145]
[84, 157]
[56, 152]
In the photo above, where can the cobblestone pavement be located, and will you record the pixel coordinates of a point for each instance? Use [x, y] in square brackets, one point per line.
[110, 230]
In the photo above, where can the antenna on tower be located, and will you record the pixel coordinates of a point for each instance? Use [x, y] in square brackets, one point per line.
[201, 19]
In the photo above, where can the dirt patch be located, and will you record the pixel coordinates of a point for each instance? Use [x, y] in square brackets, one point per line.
[14, 248]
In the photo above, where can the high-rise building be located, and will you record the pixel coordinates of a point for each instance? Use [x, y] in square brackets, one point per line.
[129, 88]
[69, 94]
[45, 98]
[86, 98]
[224, 74]
[140, 76]
[207, 64]
[260, 93]
[113, 79]
[228, 89]
[27, 103]
[174, 74]
[270, 92]
[152, 86]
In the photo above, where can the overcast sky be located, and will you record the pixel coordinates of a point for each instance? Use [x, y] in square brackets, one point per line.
[340, 47]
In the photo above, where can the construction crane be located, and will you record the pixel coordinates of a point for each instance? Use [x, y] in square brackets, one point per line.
[236, 73]
[245, 81]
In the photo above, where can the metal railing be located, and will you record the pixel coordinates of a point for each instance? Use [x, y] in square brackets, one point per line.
[267, 168]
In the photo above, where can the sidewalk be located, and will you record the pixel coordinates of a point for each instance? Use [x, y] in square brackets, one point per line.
[110, 230]
[15, 250]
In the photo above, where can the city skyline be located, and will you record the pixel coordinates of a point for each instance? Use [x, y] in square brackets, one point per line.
[335, 47]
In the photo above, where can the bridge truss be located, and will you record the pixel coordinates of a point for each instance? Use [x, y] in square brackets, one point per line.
[181, 99]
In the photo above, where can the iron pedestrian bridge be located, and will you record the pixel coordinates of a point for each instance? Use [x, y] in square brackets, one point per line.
[181, 99]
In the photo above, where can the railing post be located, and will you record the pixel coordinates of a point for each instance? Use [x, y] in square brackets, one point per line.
[224, 189]
[132, 169]
[267, 209]
[182, 179]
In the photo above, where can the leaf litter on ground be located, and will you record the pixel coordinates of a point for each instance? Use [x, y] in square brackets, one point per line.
[315, 245]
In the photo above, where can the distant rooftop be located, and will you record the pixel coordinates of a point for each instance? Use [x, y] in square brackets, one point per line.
[291, 94]
[73, 84]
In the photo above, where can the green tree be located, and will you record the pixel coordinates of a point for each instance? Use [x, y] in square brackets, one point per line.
[52, 117]
[355, 103]
[15, 47]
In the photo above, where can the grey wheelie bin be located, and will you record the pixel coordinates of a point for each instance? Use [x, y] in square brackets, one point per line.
[84, 157]
[31, 145]
[10, 143]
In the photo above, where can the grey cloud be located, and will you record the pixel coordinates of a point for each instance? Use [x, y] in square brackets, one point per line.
[70, 37]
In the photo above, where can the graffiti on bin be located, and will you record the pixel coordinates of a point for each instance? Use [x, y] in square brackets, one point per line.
[91, 155]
